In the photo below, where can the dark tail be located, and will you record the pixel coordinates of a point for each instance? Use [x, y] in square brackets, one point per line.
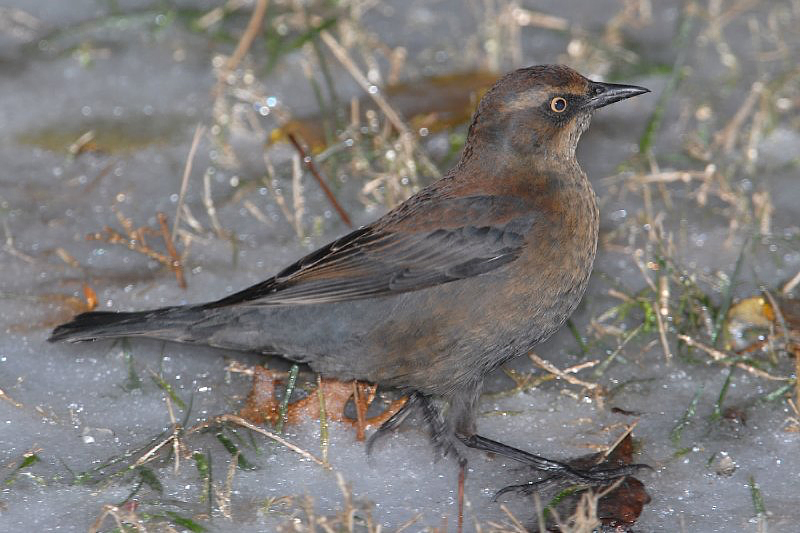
[167, 322]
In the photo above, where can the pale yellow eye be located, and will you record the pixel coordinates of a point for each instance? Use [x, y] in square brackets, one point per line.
[558, 104]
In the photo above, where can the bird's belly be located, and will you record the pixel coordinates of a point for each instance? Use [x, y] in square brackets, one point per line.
[433, 340]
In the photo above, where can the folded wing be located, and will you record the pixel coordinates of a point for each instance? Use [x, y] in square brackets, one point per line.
[455, 239]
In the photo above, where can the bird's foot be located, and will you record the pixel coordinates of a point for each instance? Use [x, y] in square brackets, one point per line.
[556, 470]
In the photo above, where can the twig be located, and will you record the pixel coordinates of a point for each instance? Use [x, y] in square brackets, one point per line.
[323, 421]
[308, 161]
[408, 523]
[720, 356]
[527, 17]
[150, 454]
[662, 332]
[9, 399]
[249, 35]
[581, 366]
[175, 263]
[277, 438]
[223, 491]
[398, 123]
[268, 180]
[791, 284]
[341, 54]
[776, 309]
[187, 170]
[11, 249]
[517, 524]
[726, 137]
[557, 372]
[208, 202]
[298, 200]
[361, 411]
[619, 440]
[120, 516]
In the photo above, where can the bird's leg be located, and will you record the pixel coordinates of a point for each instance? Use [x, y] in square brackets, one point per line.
[442, 434]
[434, 411]
[394, 421]
[591, 476]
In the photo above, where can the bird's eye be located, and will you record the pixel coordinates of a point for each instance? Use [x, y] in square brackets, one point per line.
[558, 104]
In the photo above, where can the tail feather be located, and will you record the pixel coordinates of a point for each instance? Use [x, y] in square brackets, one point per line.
[104, 324]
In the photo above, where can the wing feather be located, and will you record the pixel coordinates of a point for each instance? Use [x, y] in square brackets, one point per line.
[379, 260]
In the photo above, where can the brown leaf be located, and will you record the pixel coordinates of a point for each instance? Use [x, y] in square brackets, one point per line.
[622, 506]
[262, 406]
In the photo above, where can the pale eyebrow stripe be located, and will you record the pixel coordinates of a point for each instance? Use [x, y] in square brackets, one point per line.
[526, 100]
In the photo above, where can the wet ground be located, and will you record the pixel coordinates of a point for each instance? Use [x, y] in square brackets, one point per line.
[140, 77]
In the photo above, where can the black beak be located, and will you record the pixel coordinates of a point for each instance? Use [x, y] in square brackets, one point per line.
[602, 94]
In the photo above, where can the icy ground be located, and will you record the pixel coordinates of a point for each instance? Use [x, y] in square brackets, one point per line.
[73, 404]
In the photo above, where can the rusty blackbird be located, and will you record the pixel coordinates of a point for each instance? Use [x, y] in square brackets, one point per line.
[471, 271]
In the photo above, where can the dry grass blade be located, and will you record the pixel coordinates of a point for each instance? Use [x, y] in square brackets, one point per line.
[610, 449]
[244, 423]
[11, 248]
[518, 527]
[222, 492]
[9, 399]
[250, 33]
[550, 367]
[720, 356]
[791, 284]
[344, 58]
[136, 240]
[211, 209]
[123, 518]
[187, 170]
[726, 138]
[175, 264]
[394, 117]
[527, 17]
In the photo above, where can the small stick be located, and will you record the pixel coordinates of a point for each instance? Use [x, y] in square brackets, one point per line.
[176, 429]
[249, 35]
[517, 524]
[617, 442]
[718, 355]
[779, 315]
[9, 399]
[360, 404]
[393, 116]
[554, 370]
[11, 249]
[152, 452]
[323, 421]
[244, 423]
[791, 284]
[175, 263]
[341, 54]
[208, 202]
[581, 366]
[662, 331]
[309, 163]
[726, 137]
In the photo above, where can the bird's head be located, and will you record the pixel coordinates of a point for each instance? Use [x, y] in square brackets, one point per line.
[542, 110]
